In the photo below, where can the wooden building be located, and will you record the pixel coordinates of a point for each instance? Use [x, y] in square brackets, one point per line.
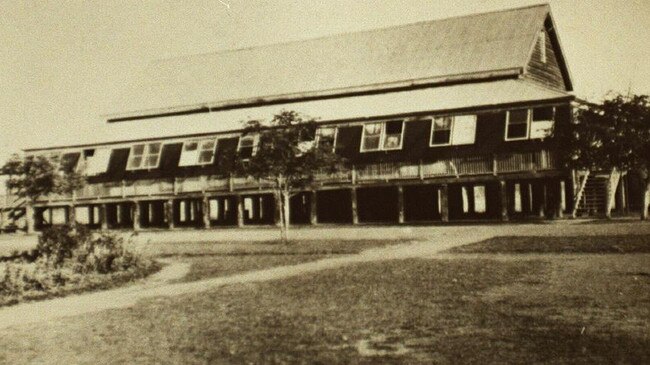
[444, 120]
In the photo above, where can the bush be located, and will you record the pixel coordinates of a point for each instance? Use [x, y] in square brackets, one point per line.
[58, 243]
[104, 254]
[69, 259]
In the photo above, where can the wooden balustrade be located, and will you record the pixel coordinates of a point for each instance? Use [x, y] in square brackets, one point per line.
[452, 167]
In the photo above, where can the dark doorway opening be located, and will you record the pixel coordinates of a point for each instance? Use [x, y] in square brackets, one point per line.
[300, 208]
[188, 213]
[223, 211]
[377, 205]
[421, 203]
[258, 209]
[119, 215]
[152, 214]
[334, 206]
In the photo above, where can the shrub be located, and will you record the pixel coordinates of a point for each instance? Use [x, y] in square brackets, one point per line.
[69, 259]
[58, 243]
[104, 254]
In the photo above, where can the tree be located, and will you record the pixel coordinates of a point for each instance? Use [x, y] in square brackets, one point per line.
[33, 177]
[614, 134]
[286, 156]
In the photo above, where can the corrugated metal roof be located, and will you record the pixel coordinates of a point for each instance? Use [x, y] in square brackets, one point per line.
[435, 49]
[433, 99]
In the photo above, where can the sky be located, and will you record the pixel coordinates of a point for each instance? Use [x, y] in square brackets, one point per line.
[64, 63]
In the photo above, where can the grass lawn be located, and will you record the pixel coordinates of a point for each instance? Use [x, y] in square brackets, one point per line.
[552, 309]
[565, 244]
[210, 266]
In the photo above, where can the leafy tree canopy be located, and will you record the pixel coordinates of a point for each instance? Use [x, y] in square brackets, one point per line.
[37, 176]
[287, 154]
[615, 133]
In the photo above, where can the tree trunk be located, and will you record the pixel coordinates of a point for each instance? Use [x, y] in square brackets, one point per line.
[646, 201]
[285, 213]
[280, 202]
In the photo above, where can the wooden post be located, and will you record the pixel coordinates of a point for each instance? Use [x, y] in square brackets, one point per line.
[206, 212]
[103, 217]
[503, 201]
[559, 211]
[277, 212]
[29, 217]
[444, 202]
[169, 213]
[136, 215]
[620, 197]
[71, 214]
[313, 209]
[400, 204]
[355, 210]
[240, 210]
[542, 203]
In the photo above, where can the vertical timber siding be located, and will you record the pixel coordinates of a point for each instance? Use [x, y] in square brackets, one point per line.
[549, 73]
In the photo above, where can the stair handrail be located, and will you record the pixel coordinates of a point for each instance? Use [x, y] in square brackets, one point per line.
[579, 193]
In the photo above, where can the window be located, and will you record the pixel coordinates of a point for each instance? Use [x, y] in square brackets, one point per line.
[441, 131]
[536, 123]
[393, 134]
[464, 130]
[453, 130]
[326, 137]
[144, 156]
[542, 122]
[517, 124]
[198, 152]
[247, 145]
[382, 136]
[98, 162]
[371, 137]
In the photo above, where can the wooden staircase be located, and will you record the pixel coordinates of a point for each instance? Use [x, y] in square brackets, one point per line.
[595, 194]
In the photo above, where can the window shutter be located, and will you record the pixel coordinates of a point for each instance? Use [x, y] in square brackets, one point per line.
[464, 130]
